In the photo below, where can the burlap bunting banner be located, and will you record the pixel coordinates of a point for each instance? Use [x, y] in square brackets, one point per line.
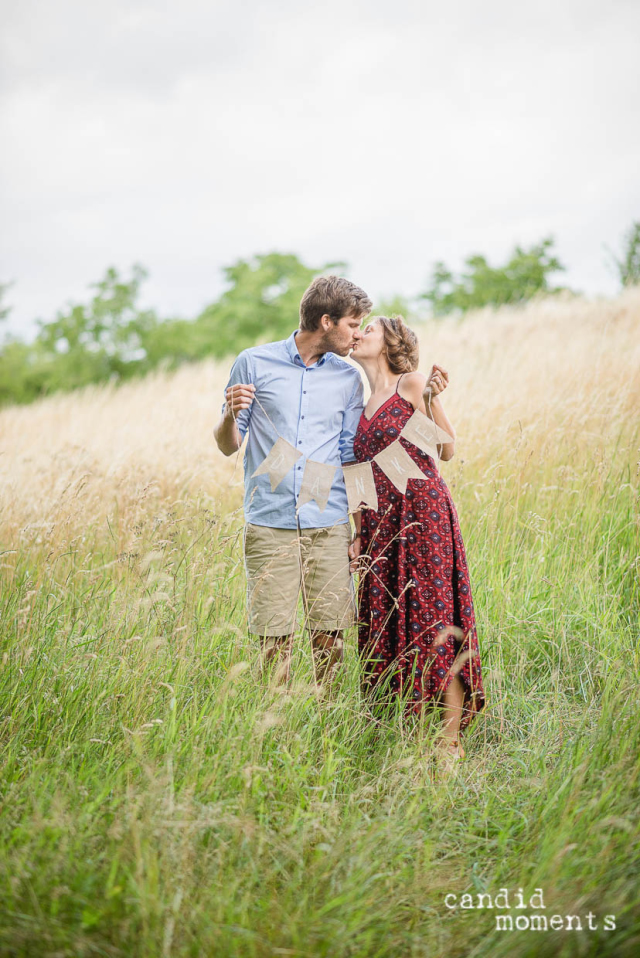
[361, 486]
[317, 480]
[398, 466]
[282, 456]
[425, 434]
[394, 460]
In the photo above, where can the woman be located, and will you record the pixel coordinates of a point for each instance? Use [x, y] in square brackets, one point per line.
[417, 632]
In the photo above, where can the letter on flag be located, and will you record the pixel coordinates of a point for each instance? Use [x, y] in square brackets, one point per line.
[398, 466]
[425, 434]
[281, 458]
[317, 480]
[361, 486]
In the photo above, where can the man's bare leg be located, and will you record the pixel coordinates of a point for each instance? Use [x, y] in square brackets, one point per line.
[328, 653]
[277, 650]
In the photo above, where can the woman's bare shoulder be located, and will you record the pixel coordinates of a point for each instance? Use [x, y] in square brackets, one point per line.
[411, 387]
[413, 380]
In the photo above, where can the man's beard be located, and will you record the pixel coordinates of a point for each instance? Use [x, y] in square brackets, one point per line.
[330, 344]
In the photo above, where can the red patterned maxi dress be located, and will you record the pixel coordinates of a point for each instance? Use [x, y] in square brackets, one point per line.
[414, 580]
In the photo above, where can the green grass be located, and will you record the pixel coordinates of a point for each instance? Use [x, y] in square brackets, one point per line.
[159, 798]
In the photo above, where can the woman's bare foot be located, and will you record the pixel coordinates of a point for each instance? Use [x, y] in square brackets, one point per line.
[449, 755]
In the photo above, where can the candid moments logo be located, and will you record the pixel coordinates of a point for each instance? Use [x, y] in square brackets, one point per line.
[514, 913]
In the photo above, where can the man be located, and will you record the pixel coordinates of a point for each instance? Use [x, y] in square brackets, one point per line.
[300, 390]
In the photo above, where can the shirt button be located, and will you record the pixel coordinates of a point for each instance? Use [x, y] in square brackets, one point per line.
[304, 390]
[299, 442]
[302, 417]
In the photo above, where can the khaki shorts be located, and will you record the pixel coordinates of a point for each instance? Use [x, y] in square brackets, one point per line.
[280, 563]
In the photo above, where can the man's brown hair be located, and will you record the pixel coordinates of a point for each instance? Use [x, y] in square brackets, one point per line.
[334, 296]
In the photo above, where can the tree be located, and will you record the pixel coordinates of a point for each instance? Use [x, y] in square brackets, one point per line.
[523, 276]
[261, 304]
[112, 338]
[396, 305]
[4, 310]
[96, 341]
[628, 267]
[14, 357]
[110, 324]
[85, 343]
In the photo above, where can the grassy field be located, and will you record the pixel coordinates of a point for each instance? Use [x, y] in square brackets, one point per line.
[158, 798]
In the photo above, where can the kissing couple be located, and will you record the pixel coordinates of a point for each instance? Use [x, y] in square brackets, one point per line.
[417, 637]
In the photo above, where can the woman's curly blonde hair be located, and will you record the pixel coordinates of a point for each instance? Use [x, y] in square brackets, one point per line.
[400, 344]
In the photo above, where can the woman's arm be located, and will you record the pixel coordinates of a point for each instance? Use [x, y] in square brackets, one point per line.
[423, 394]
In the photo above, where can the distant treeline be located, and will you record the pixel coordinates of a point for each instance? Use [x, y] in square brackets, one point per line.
[112, 338]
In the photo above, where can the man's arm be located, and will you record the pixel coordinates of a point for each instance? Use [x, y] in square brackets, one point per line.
[226, 432]
[350, 421]
[232, 427]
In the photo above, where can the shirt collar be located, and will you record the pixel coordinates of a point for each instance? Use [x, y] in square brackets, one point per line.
[294, 355]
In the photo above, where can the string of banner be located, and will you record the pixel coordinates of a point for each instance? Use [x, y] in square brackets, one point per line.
[394, 461]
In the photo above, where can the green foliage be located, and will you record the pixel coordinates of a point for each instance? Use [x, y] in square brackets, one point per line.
[83, 344]
[396, 305]
[4, 310]
[112, 338]
[103, 339]
[111, 324]
[261, 304]
[18, 382]
[628, 266]
[524, 275]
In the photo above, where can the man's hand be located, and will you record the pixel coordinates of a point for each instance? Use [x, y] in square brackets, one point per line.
[226, 433]
[437, 382]
[354, 553]
[238, 397]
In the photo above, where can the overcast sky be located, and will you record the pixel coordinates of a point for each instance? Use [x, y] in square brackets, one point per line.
[186, 135]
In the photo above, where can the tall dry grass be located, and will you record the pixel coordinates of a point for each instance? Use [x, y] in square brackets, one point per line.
[558, 381]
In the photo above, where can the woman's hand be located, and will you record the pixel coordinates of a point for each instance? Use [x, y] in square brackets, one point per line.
[437, 382]
[354, 553]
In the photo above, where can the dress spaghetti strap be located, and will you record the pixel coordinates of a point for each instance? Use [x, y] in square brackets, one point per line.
[398, 383]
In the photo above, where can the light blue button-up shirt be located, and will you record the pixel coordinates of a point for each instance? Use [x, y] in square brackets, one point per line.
[317, 409]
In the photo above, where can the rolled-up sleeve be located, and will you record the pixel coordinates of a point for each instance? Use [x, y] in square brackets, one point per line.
[241, 372]
[350, 422]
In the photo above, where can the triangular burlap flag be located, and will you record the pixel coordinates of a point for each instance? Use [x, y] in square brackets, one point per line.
[317, 480]
[398, 466]
[281, 458]
[361, 487]
[425, 434]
